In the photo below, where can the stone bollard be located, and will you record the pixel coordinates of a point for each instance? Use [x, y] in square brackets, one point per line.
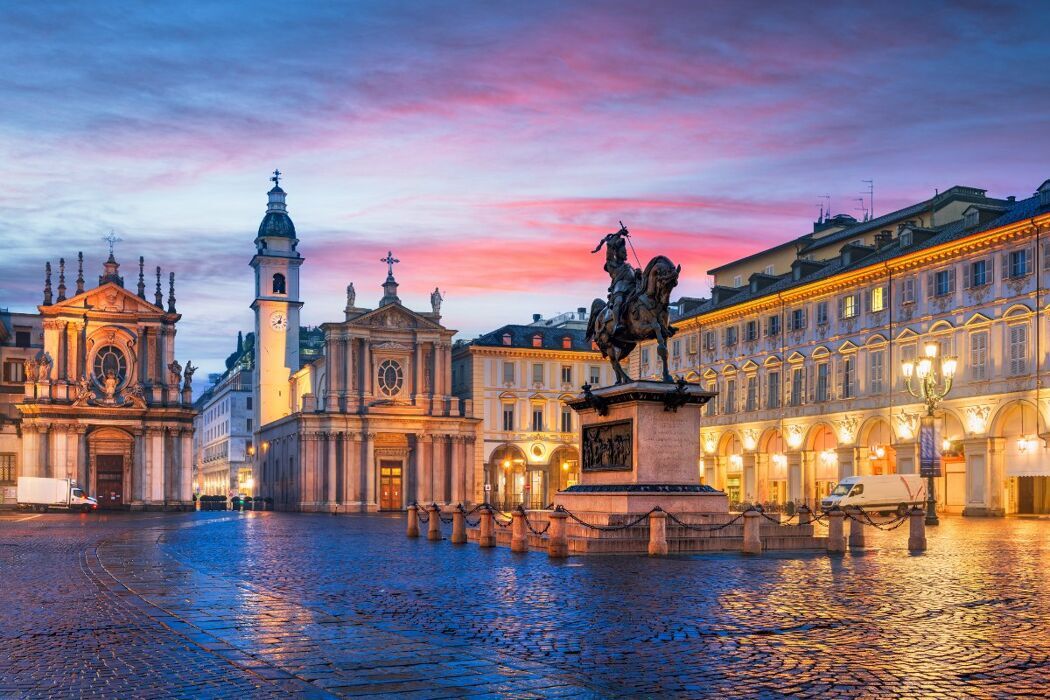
[557, 542]
[752, 540]
[856, 530]
[518, 543]
[486, 535]
[657, 533]
[836, 541]
[805, 515]
[459, 525]
[413, 520]
[917, 530]
[434, 529]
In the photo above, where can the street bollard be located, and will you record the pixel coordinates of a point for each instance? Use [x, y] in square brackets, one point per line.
[805, 515]
[459, 525]
[486, 536]
[557, 542]
[657, 533]
[518, 543]
[917, 530]
[434, 529]
[856, 530]
[752, 539]
[413, 520]
[836, 542]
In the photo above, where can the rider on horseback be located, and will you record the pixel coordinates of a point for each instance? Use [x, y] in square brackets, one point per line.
[625, 278]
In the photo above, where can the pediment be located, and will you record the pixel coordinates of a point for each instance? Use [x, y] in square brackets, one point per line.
[710, 374]
[977, 318]
[907, 333]
[771, 361]
[796, 356]
[848, 346]
[109, 297]
[750, 366]
[393, 316]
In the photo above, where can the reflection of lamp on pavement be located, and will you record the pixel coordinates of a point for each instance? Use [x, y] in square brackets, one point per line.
[933, 386]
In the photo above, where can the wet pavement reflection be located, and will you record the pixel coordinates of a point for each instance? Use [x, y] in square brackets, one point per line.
[255, 604]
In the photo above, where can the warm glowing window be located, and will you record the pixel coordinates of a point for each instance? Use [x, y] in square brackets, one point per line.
[877, 301]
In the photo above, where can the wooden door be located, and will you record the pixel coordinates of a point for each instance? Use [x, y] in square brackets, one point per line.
[109, 481]
[390, 485]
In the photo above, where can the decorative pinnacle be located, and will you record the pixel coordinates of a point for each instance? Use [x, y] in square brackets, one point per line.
[112, 239]
[276, 179]
[160, 297]
[80, 273]
[389, 260]
[171, 293]
[61, 279]
[47, 283]
[142, 278]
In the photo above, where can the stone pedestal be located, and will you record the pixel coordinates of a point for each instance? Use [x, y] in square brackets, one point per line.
[640, 448]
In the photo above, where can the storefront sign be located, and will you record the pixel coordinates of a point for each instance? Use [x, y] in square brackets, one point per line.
[608, 447]
[929, 448]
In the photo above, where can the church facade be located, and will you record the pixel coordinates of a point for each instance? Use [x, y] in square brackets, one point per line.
[371, 424]
[103, 400]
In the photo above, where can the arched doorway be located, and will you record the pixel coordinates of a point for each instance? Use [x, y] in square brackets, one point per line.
[822, 445]
[772, 447]
[506, 468]
[110, 460]
[731, 454]
[1026, 460]
[564, 469]
[951, 487]
[876, 441]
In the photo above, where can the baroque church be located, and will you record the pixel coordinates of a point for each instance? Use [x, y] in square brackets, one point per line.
[370, 425]
[103, 400]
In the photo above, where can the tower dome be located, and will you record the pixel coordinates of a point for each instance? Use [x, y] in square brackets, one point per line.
[276, 223]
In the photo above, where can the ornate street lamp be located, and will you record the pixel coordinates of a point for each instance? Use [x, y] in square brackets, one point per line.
[925, 382]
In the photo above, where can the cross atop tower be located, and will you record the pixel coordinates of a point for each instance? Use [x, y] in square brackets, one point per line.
[276, 179]
[389, 260]
[112, 239]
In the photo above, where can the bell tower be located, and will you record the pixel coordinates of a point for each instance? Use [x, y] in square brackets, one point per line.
[276, 306]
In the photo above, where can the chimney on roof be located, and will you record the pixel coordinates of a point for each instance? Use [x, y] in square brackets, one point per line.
[1011, 198]
[536, 317]
[883, 238]
[582, 311]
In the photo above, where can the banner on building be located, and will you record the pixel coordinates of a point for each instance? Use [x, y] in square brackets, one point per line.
[929, 448]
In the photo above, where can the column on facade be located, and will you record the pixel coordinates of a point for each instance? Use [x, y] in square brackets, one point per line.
[440, 468]
[907, 457]
[72, 333]
[331, 496]
[761, 477]
[348, 372]
[30, 450]
[366, 368]
[809, 477]
[370, 471]
[475, 487]
[423, 454]
[138, 467]
[750, 474]
[862, 463]
[82, 458]
[846, 461]
[308, 493]
[52, 346]
[147, 485]
[794, 476]
[58, 452]
[721, 470]
[458, 469]
[996, 477]
[351, 468]
[417, 366]
[328, 402]
[185, 493]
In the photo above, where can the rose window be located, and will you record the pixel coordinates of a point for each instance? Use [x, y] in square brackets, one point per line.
[391, 377]
[110, 360]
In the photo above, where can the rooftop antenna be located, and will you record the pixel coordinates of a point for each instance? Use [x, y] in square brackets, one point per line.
[871, 196]
[862, 207]
[827, 208]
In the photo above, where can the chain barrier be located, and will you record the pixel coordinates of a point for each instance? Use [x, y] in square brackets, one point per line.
[533, 530]
[611, 528]
[892, 524]
[706, 528]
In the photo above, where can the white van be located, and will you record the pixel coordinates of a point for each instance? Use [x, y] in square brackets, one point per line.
[893, 492]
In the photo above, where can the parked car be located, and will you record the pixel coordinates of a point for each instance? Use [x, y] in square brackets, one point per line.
[42, 493]
[892, 492]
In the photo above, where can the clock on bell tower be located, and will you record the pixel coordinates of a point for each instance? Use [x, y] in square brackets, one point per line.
[276, 306]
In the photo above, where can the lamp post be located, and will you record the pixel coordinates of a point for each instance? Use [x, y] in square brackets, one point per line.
[931, 387]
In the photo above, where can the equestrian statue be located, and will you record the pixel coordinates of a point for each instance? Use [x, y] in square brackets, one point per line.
[636, 309]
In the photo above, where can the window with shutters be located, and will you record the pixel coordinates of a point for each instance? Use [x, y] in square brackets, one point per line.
[709, 340]
[14, 371]
[537, 419]
[978, 355]
[876, 370]
[566, 370]
[752, 393]
[848, 306]
[595, 375]
[798, 319]
[738, 281]
[797, 386]
[908, 291]
[711, 407]
[508, 372]
[730, 403]
[751, 330]
[1018, 350]
[1018, 263]
[508, 416]
[7, 468]
[774, 325]
[773, 390]
[878, 302]
[976, 274]
[676, 349]
[769, 269]
[822, 313]
[566, 419]
[731, 336]
[907, 355]
[537, 373]
[822, 381]
[849, 374]
[942, 283]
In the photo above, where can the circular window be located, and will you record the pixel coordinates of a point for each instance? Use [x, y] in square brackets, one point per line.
[110, 360]
[391, 378]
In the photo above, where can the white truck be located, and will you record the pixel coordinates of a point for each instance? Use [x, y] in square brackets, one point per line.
[41, 493]
[891, 492]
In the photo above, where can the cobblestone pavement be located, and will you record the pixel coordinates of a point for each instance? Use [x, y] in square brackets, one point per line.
[269, 604]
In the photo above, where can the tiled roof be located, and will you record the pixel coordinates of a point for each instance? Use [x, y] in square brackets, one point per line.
[1023, 209]
[521, 337]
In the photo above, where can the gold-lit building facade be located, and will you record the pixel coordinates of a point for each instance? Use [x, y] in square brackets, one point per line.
[805, 345]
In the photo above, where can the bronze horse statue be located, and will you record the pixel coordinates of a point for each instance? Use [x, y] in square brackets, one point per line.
[644, 317]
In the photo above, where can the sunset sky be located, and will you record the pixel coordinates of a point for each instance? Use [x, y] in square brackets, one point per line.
[489, 145]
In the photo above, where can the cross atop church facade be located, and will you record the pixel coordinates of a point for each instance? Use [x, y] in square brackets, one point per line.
[276, 179]
[389, 260]
[112, 239]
